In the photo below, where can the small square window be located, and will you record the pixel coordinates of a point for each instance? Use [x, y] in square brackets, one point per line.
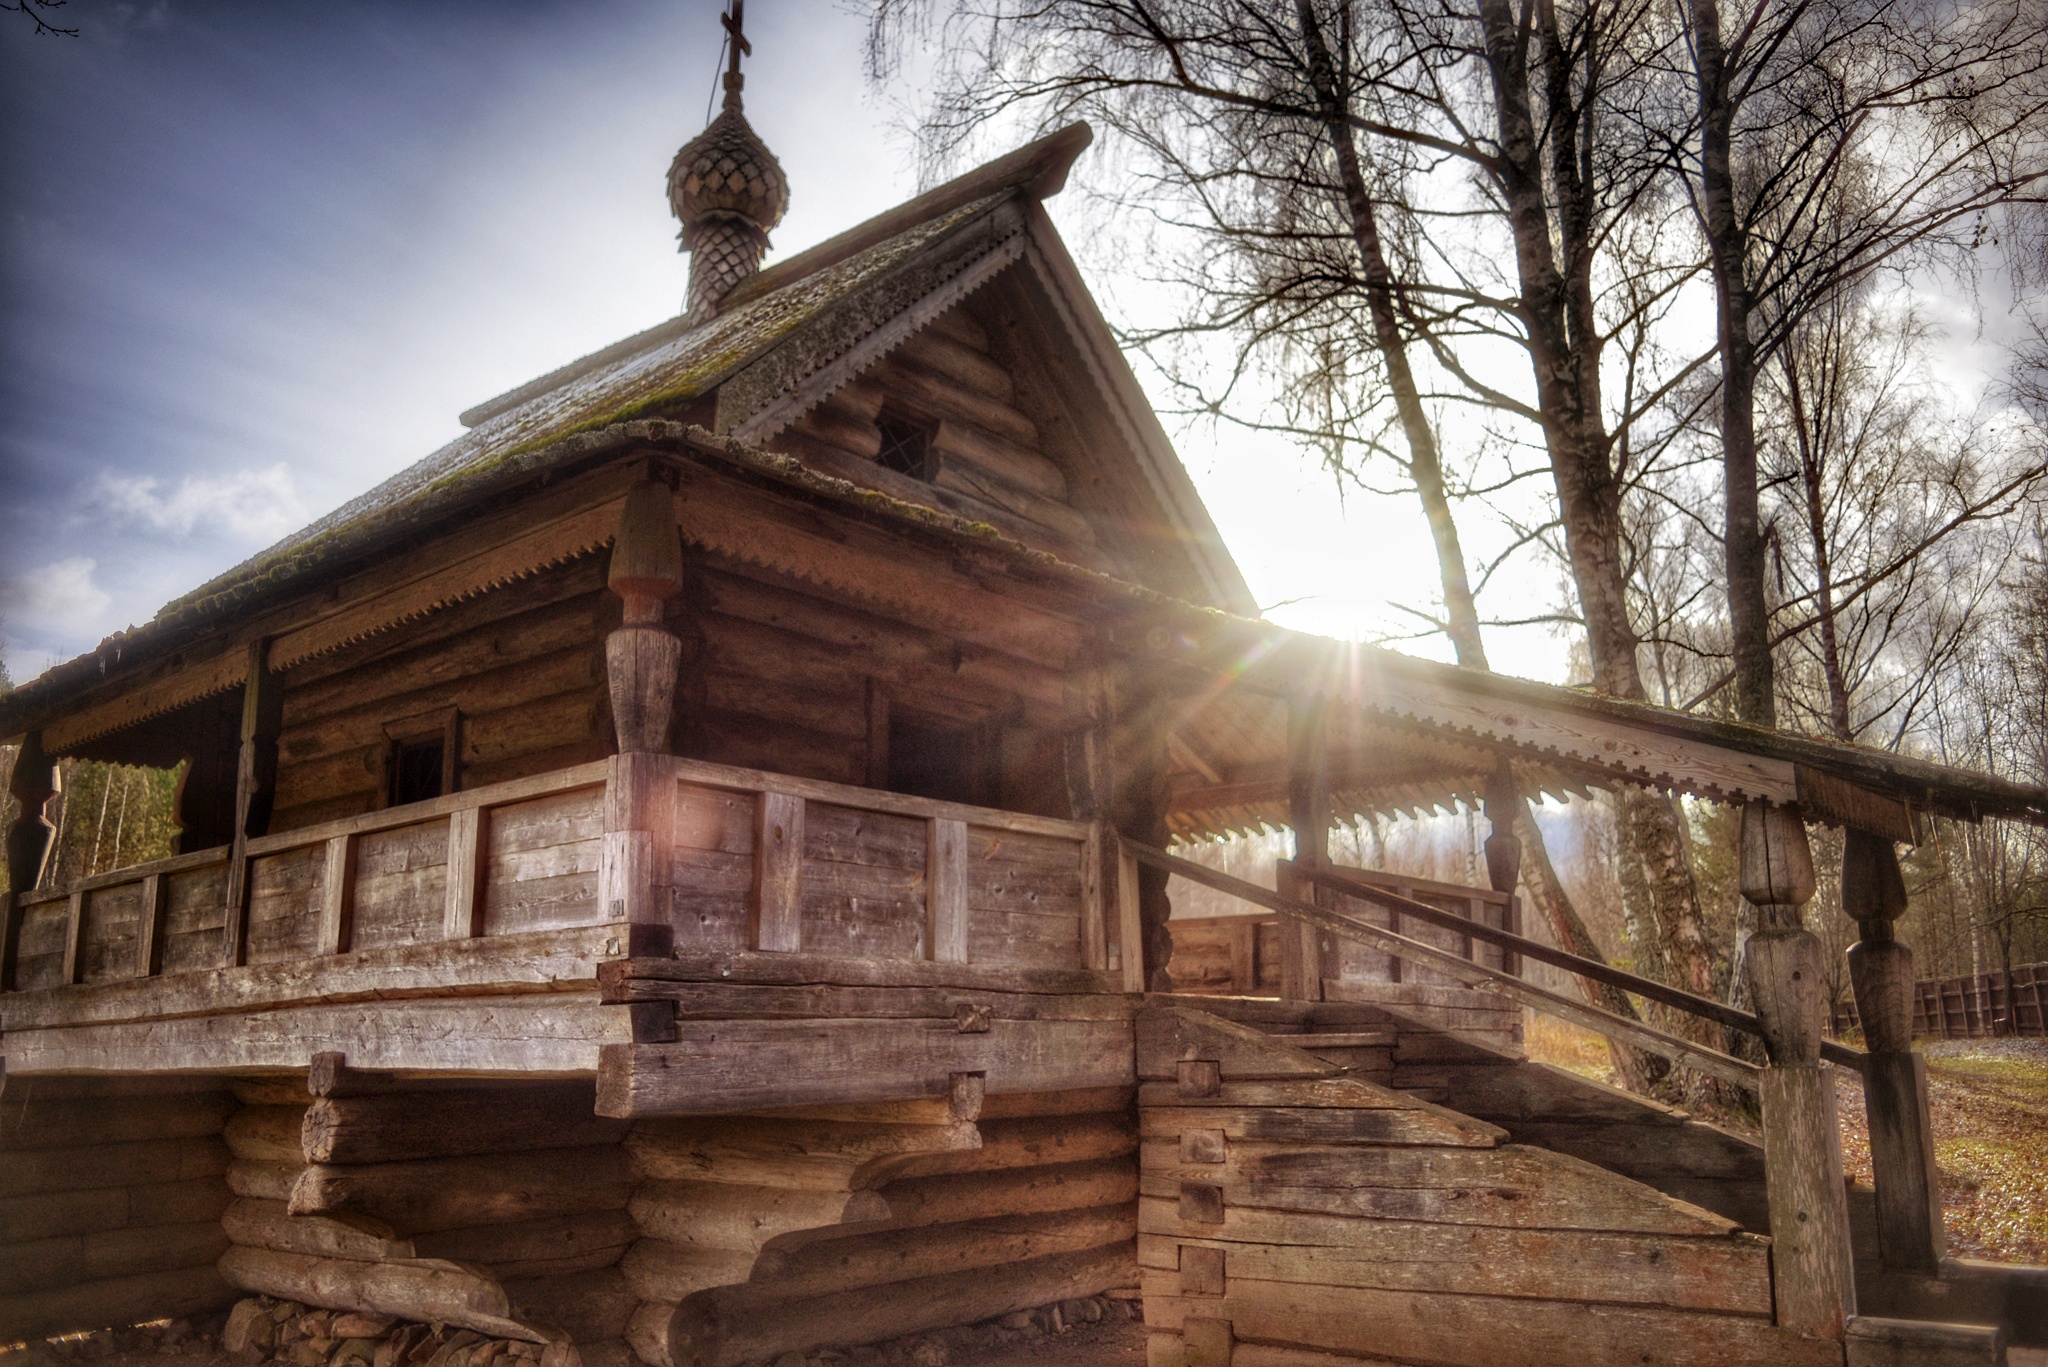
[906, 446]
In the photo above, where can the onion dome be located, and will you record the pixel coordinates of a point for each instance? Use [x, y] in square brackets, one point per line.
[728, 190]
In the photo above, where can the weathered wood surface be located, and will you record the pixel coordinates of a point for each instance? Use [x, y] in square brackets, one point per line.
[559, 1245]
[1729, 1274]
[94, 1166]
[727, 1215]
[816, 1155]
[540, 962]
[750, 1065]
[537, 1032]
[644, 979]
[1417, 1326]
[417, 1289]
[407, 1125]
[65, 1259]
[460, 1193]
[94, 1210]
[734, 1324]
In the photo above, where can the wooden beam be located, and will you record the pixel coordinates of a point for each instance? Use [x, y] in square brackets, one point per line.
[1129, 919]
[149, 927]
[338, 895]
[255, 789]
[31, 784]
[74, 938]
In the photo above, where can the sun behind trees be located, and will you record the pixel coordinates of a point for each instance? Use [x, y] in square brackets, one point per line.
[1446, 248]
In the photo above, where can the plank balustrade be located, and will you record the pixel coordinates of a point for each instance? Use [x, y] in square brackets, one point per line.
[748, 860]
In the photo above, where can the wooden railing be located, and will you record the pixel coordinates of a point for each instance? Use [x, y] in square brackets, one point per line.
[1242, 955]
[752, 861]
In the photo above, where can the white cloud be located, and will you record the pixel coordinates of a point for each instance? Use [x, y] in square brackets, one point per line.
[60, 592]
[249, 505]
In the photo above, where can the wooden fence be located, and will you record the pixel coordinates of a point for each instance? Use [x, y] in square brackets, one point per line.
[1974, 1006]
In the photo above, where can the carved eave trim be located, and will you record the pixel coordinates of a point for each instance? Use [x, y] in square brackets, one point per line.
[181, 686]
[783, 385]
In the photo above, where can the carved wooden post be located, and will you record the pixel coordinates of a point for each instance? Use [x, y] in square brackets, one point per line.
[1504, 852]
[1895, 1085]
[642, 655]
[255, 790]
[641, 658]
[28, 844]
[1813, 1277]
[1308, 812]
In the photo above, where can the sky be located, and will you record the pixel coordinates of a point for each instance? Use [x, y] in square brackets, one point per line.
[256, 258]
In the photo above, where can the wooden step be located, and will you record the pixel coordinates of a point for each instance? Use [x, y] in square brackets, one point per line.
[1876, 1342]
[1318, 1040]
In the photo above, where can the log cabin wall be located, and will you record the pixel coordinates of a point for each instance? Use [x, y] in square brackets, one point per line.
[111, 1195]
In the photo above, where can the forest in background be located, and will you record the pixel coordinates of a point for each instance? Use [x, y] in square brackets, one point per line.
[1634, 299]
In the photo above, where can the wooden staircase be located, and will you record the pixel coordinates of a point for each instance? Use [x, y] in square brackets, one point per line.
[1326, 1182]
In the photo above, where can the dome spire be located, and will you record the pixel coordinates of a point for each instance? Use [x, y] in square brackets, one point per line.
[727, 188]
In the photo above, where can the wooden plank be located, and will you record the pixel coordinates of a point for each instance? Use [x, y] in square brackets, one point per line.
[592, 775]
[114, 1301]
[776, 913]
[74, 937]
[337, 895]
[1414, 1326]
[1730, 1274]
[1168, 1035]
[529, 1033]
[1095, 937]
[746, 966]
[752, 1065]
[1506, 1187]
[149, 930]
[468, 849]
[1378, 1126]
[946, 890]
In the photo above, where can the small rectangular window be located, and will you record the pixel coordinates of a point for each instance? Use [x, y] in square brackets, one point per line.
[906, 446]
[416, 770]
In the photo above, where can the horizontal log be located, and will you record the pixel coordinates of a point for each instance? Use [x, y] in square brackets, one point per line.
[1408, 1326]
[1511, 1186]
[1064, 1101]
[554, 1246]
[113, 1304]
[733, 1324]
[1027, 1142]
[266, 1134]
[270, 1224]
[817, 1155]
[278, 1089]
[658, 1270]
[455, 1193]
[953, 400]
[1021, 465]
[49, 1263]
[864, 1260]
[31, 1119]
[647, 1332]
[750, 1065]
[924, 1201]
[140, 1162]
[1537, 1091]
[418, 1289]
[543, 961]
[724, 1215]
[557, 1032]
[263, 1181]
[686, 975]
[48, 1214]
[1729, 1274]
[966, 365]
[1167, 1035]
[382, 1129]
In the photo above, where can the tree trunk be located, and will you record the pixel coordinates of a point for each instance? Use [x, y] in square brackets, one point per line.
[1811, 474]
[1727, 249]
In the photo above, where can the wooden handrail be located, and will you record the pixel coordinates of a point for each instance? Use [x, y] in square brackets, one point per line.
[1718, 1012]
[1680, 1051]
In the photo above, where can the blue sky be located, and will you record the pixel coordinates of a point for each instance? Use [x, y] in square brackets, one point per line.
[256, 258]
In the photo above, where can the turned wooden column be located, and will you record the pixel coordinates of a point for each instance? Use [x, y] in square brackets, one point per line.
[1895, 1083]
[1308, 812]
[31, 785]
[1504, 854]
[641, 659]
[1812, 1273]
[641, 656]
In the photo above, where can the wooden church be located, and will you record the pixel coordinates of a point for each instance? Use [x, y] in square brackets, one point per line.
[680, 875]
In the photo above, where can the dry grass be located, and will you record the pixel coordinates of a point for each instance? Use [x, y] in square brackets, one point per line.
[1570, 1047]
[1990, 1114]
